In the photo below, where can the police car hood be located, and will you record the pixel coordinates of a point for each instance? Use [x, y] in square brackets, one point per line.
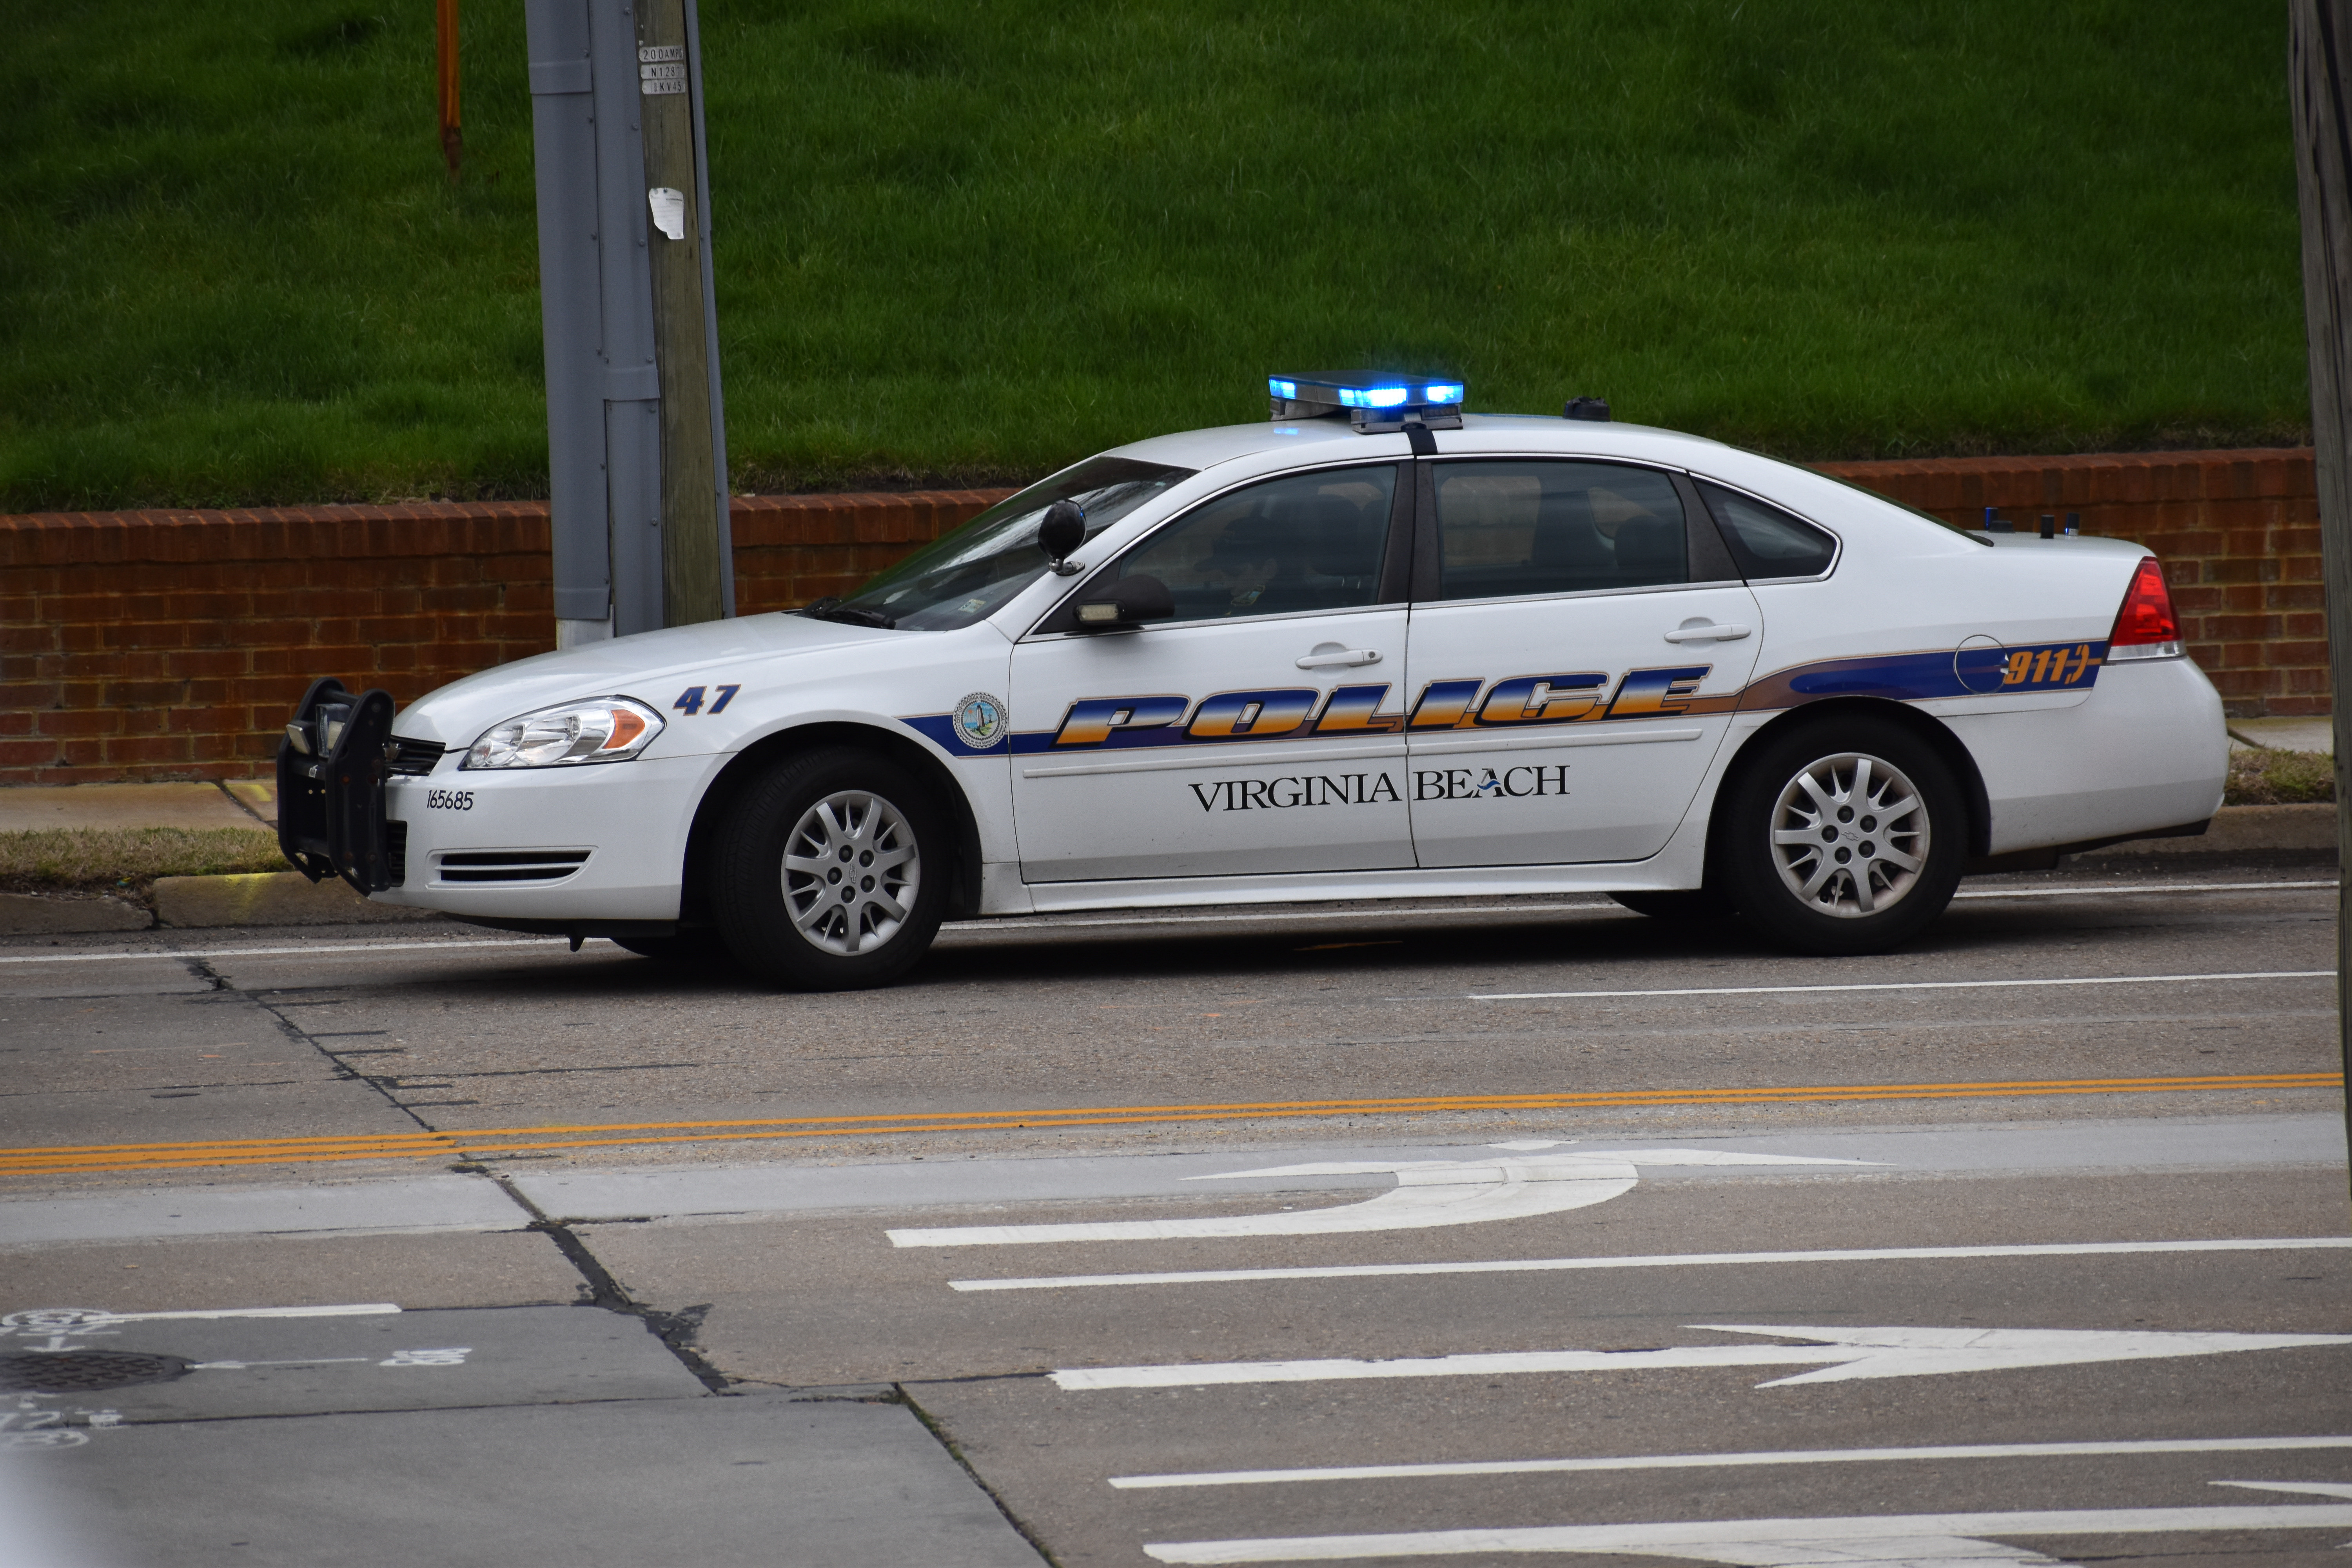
[646, 667]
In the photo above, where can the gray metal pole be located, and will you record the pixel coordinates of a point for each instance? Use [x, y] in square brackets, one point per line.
[2319, 88]
[563, 139]
[632, 380]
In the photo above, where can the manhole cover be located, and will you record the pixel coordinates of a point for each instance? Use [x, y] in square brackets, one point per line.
[86, 1372]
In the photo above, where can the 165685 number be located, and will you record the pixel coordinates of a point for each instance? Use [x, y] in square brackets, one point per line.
[448, 800]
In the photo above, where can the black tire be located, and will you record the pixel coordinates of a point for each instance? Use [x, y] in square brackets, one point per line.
[1691, 904]
[787, 925]
[1871, 888]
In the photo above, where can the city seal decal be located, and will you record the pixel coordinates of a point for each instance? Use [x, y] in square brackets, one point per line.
[980, 721]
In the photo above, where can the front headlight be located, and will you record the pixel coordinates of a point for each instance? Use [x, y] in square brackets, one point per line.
[600, 730]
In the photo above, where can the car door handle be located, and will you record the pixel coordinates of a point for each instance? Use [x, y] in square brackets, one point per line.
[1707, 632]
[1326, 658]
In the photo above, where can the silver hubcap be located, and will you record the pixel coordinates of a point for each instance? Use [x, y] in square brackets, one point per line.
[851, 869]
[1850, 834]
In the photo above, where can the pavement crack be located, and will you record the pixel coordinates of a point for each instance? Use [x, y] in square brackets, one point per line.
[955, 1452]
[677, 1330]
[203, 969]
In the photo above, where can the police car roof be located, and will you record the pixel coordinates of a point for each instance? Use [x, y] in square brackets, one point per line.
[1325, 439]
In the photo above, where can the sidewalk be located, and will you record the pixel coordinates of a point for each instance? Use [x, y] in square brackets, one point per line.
[288, 899]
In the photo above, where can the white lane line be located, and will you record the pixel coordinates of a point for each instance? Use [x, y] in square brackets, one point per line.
[1021, 923]
[79, 1317]
[1882, 1541]
[1838, 1355]
[1667, 1260]
[276, 952]
[1715, 1461]
[1887, 985]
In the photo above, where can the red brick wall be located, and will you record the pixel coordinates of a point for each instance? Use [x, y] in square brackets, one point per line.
[2238, 533]
[173, 644]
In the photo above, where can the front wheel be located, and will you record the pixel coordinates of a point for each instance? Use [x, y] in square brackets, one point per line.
[831, 872]
[1844, 837]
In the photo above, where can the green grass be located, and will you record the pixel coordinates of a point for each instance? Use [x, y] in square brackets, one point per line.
[2269, 777]
[84, 859]
[958, 240]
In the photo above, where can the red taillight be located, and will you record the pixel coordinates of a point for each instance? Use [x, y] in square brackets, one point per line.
[2146, 616]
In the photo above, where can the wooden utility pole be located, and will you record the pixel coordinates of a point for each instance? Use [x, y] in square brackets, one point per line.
[444, 20]
[2319, 83]
[691, 521]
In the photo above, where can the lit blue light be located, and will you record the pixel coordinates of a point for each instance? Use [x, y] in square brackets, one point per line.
[1442, 392]
[1281, 388]
[1371, 397]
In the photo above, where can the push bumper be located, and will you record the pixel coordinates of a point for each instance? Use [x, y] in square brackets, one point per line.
[332, 763]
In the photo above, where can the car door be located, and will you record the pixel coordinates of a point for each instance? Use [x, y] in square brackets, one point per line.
[1256, 729]
[1580, 637]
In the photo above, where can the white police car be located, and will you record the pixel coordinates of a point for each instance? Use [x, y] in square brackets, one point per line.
[1375, 648]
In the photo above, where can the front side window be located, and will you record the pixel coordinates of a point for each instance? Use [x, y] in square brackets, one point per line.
[1304, 541]
[971, 574]
[1523, 527]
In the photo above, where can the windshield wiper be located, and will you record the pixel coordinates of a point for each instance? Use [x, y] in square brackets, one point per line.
[831, 608]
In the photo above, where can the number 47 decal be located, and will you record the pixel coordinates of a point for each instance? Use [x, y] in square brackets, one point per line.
[689, 702]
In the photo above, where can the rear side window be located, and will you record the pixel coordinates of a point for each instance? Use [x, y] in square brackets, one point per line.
[1766, 540]
[1538, 527]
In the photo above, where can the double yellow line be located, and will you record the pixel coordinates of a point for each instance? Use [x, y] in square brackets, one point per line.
[467, 1144]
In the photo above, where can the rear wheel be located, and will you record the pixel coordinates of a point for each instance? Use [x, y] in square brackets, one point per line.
[831, 872]
[1844, 837]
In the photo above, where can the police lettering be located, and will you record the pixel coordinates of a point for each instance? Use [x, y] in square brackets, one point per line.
[1491, 783]
[1283, 794]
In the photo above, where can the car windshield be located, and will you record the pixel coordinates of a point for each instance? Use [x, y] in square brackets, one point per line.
[971, 574]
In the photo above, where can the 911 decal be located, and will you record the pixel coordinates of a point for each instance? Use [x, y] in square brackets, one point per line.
[2033, 669]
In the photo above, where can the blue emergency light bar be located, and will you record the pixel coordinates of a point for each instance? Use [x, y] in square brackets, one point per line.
[1373, 400]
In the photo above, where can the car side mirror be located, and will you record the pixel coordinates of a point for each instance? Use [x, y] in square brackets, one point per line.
[1126, 605]
[1060, 532]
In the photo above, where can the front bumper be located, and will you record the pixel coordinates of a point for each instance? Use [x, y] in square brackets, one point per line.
[561, 846]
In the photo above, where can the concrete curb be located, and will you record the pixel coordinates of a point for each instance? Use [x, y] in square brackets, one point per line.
[267, 898]
[45, 914]
[2244, 830]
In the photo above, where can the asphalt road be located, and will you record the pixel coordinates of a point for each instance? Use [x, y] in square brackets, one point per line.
[1336, 1235]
